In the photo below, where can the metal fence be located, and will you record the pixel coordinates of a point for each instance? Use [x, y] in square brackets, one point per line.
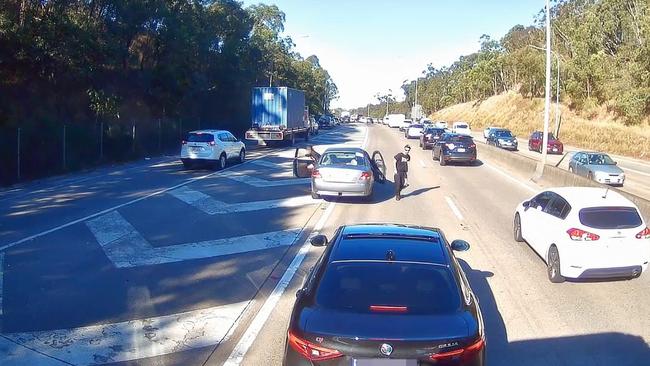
[29, 152]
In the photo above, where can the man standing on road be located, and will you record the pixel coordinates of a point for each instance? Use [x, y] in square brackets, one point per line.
[401, 170]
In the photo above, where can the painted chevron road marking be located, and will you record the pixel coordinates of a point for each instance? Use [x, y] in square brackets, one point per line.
[126, 247]
[259, 182]
[211, 206]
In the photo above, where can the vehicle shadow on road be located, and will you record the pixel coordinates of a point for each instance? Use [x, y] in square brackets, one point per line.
[381, 192]
[610, 348]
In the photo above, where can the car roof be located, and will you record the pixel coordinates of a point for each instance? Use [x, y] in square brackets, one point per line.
[591, 152]
[579, 197]
[343, 149]
[208, 131]
[372, 242]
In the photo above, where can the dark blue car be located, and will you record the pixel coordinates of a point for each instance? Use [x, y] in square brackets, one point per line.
[453, 147]
[391, 293]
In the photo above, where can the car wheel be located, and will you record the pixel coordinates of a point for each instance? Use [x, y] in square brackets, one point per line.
[242, 156]
[571, 170]
[517, 229]
[222, 162]
[315, 195]
[368, 198]
[590, 176]
[187, 165]
[553, 266]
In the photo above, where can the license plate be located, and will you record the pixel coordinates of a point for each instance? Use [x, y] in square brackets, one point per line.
[460, 149]
[383, 362]
[554, 150]
[196, 148]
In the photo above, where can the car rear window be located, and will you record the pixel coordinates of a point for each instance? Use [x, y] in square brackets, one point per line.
[461, 126]
[342, 158]
[465, 139]
[200, 137]
[416, 126]
[355, 286]
[610, 217]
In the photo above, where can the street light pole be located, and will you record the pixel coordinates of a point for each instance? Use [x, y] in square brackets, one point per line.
[547, 97]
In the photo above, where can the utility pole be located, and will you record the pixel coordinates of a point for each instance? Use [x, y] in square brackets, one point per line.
[547, 97]
[368, 113]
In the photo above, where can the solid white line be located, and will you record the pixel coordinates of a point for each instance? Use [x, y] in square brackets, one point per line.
[260, 182]
[134, 339]
[212, 206]
[454, 209]
[126, 247]
[102, 212]
[2, 268]
[424, 165]
[520, 183]
[237, 355]
[635, 171]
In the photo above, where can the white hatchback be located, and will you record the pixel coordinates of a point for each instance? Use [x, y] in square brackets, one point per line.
[211, 147]
[461, 128]
[584, 232]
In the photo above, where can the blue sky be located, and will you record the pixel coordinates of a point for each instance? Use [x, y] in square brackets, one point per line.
[373, 46]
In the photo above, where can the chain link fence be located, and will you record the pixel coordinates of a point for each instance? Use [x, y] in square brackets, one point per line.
[29, 152]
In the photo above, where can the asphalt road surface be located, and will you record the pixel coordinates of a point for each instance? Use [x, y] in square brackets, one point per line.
[151, 265]
[637, 172]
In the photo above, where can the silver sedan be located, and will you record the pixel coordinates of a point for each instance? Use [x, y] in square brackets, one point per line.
[341, 172]
[598, 167]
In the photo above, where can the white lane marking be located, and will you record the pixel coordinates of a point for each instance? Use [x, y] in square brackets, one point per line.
[520, 183]
[454, 208]
[259, 182]
[134, 339]
[2, 268]
[272, 165]
[212, 206]
[635, 171]
[102, 212]
[126, 247]
[237, 355]
[422, 163]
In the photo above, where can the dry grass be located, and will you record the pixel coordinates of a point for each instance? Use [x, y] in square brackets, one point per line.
[600, 131]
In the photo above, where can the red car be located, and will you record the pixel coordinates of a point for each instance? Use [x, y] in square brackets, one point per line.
[554, 145]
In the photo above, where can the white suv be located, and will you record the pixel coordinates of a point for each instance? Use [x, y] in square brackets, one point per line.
[211, 147]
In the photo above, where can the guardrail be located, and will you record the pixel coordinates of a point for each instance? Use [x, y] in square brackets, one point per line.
[553, 176]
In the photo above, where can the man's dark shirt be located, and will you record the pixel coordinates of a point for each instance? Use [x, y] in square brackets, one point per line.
[400, 165]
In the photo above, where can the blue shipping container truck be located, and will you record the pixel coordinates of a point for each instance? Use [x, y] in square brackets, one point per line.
[278, 113]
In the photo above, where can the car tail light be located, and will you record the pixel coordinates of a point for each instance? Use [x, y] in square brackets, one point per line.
[365, 176]
[580, 235]
[315, 174]
[311, 351]
[451, 146]
[644, 234]
[212, 143]
[463, 354]
[388, 309]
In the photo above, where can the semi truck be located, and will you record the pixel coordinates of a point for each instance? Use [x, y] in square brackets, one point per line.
[278, 114]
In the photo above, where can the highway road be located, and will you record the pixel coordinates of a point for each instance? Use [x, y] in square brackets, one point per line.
[152, 265]
[637, 172]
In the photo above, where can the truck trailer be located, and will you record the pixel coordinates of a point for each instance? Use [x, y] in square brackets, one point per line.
[278, 114]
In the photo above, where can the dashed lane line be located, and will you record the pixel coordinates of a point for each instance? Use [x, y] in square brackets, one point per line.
[126, 247]
[454, 208]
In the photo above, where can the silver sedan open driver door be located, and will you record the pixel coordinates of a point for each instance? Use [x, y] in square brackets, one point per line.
[379, 166]
[303, 163]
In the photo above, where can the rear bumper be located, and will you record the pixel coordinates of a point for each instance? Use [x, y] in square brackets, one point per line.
[611, 180]
[576, 265]
[459, 156]
[265, 135]
[361, 189]
[197, 161]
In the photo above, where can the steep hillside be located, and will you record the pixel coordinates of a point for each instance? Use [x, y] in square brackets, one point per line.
[599, 131]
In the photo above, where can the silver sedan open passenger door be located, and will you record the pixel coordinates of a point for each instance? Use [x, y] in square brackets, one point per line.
[303, 163]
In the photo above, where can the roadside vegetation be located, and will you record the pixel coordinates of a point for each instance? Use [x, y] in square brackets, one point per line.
[147, 71]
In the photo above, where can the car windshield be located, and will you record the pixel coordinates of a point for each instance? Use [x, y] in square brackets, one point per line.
[610, 217]
[600, 159]
[421, 288]
[342, 158]
[200, 137]
[503, 134]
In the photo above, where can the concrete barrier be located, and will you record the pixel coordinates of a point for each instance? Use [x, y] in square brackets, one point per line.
[553, 176]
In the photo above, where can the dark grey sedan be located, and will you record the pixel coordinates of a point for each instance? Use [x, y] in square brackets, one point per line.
[598, 167]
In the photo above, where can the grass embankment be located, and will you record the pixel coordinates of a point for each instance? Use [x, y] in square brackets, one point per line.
[600, 131]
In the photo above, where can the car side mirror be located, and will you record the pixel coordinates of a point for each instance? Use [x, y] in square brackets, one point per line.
[459, 245]
[319, 241]
[616, 163]
[526, 204]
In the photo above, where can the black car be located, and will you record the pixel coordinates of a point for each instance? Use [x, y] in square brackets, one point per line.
[325, 122]
[452, 147]
[502, 138]
[429, 137]
[386, 293]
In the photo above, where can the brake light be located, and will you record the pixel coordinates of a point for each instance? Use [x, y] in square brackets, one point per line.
[388, 309]
[464, 354]
[315, 174]
[581, 235]
[450, 146]
[311, 351]
[644, 234]
[365, 176]
[212, 143]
